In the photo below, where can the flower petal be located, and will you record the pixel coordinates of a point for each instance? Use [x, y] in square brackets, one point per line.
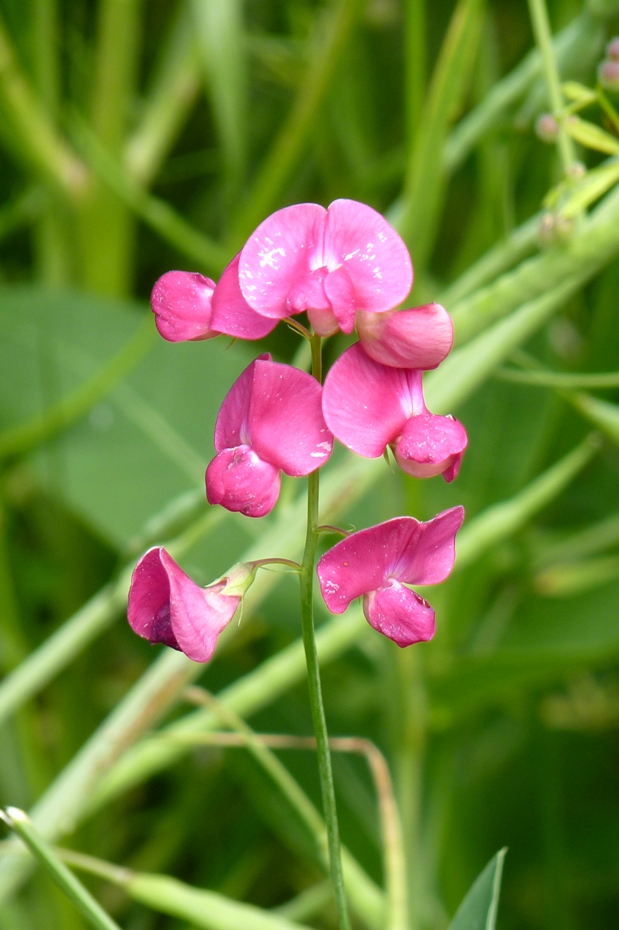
[421, 337]
[400, 614]
[402, 549]
[231, 428]
[372, 253]
[242, 482]
[181, 302]
[431, 445]
[341, 293]
[166, 606]
[364, 402]
[231, 314]
[430, 552]
[277, 256]
[286, 424]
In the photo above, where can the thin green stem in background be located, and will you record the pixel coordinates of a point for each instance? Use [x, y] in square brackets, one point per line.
[18, 821]
[313, 674]
[541, 30]
[415, 37]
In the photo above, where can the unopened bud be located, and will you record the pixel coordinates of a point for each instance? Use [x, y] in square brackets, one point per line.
[554, 227]
[608, 75]
[612, 49]
[547, 127]
[576, 171]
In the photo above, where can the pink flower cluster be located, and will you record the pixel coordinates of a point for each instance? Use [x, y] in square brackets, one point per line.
[347, 269]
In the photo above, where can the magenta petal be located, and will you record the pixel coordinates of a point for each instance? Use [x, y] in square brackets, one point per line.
[286, 424]
[364, 403]
[431, 445]
[278, 255]
[324, 322]
[166, 606]
[231, 314]
[242, 482]
[400, 614]
[231, 428]
[371, 251]
[181, 302]
[429, 555]
[402, 549]
[418, 338]
[341, 293]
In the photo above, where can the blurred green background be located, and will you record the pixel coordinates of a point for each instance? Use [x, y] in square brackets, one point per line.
[138, 137]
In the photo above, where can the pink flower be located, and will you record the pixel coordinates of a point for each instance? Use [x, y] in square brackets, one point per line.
[379, 562]
[166, 606]
[188, 306]
[181, 302]
[329, 263]
[421, 337]
[270, 421]
[369, 406]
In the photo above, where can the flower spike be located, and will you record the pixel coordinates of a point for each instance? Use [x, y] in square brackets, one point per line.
[329, 263]
[378, 563]
[166, 606]
[270, 421]
[369, 406]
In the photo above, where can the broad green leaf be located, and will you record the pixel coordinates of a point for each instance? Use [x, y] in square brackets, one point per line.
[149, 441]
[479, 909]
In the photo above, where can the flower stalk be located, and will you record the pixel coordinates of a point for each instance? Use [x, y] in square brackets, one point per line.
[313, 675]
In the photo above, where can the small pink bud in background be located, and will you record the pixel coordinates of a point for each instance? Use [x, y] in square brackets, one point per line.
[329, 263]
[369, 406]
[547, 128]
[378, 563]
[612, 49]
[608, 75]
[166, 606]
[270, 421]
[421, 337]
[181, 302]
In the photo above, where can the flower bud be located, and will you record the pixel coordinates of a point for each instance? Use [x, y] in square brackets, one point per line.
[547, 127]
[612, 49]
[608, 75]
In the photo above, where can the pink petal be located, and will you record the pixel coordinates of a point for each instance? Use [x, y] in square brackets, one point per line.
[431, 445]
[277, 256]
[430, 552]
[324, 322]
[181, 302]
[372, 253]
[400, 614]
[232, 315]
[231, 428]
[402, 549]
[286, 424]
[341, 293]
[242, 482]
[418, 338]
[166, 606]
[366, 404]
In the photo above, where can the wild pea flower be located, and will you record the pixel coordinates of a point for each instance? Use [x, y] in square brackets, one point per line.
[190, 307]
[329, 263]
[270, 421]
[166, 606]
[421, 337]
[378, 563]
[369, 406]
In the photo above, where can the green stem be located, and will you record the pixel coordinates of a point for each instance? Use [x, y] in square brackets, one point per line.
[543, 38]
[313, 676]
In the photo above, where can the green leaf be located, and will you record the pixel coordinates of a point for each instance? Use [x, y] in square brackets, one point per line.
[156, 424]
[591, 136]
[573, 90]
[478, 911]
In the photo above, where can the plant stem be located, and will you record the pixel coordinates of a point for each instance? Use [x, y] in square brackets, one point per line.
[313, 676]
[543, 38]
